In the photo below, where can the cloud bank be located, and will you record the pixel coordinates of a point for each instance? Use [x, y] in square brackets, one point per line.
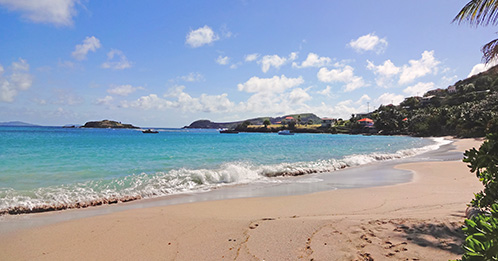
[56, 12]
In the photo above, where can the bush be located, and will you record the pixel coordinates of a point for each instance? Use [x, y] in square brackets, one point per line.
[481, 242]
[484, 162]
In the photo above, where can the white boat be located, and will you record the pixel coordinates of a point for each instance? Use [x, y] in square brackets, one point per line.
[228, 131]
[285, 132]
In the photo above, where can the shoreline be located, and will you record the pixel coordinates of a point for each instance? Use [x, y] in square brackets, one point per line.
[284, 176]
[373, 174]
[418, 219]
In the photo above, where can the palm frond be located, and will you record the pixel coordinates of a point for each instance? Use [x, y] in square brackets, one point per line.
[490, 51]
[479, 12]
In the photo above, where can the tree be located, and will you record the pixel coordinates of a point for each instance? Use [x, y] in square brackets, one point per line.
[388, 119]
[481, 12]
[266, 123]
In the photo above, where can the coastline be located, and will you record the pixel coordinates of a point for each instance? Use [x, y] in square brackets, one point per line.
[338, 224]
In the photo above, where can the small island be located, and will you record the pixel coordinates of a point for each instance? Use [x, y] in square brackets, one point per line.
[105, 124]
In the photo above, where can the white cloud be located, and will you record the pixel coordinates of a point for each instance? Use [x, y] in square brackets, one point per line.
[298, 96]
[418, 68]
[327, 91]
[116, 60]
[89, 44]
[192, 77]
[276, 103]
[18, 80]
[123, 90]
[235, 65]
[179, 99]
[419, 89]
[205, 103]
[105, 101]
[344, 75]
[481, 67]
[269, 85]
[215, 103]
[276, 95]
[223, 60]
[151, 101]
[345, 107]
[384, 72]
[276, 61]
[342, 109]
[369, 42]
[313, 60]
[364, 98]
[389, 98]
[251, 57]
[386, 69]
[478, 68]
[201, 36]
[57, 12]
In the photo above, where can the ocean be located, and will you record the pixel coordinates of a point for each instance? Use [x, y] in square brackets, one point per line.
[51, 168]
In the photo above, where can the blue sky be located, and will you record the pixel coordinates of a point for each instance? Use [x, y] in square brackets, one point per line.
[168, 63]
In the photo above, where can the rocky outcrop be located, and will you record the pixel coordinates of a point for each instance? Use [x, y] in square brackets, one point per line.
[108, 124]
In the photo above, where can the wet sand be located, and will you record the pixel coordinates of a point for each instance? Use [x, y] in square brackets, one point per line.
[420, 220]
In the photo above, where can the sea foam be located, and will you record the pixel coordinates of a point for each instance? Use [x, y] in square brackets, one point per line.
[177, 181]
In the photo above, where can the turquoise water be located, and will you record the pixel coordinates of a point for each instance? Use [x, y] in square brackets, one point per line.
[48, 166]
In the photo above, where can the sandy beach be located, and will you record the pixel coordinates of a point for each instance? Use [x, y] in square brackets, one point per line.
[419, 220]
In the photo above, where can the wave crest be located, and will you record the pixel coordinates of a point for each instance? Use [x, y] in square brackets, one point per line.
[177, 181]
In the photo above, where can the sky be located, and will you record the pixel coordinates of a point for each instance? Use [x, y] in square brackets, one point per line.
[168, 63]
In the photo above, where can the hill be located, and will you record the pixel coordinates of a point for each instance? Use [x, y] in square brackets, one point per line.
[466, 109]
[17, 124]
[108, 124]
[309, 118]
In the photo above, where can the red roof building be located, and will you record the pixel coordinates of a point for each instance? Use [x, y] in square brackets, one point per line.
[366, 122]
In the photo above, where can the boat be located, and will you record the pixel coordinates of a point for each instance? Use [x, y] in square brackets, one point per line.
[149, 131]
[285, 132]
[227, 131]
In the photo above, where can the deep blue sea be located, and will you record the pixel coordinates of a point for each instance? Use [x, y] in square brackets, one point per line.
[53, 166]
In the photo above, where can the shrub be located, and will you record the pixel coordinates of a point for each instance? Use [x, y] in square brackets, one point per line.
[481, 242]
[484, 162]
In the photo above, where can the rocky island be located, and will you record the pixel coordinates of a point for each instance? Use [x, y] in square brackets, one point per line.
[108, 124]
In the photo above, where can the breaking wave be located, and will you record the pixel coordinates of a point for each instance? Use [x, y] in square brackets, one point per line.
[177, 181]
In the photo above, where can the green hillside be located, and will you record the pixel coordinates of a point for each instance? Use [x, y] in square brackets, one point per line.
[464, 110]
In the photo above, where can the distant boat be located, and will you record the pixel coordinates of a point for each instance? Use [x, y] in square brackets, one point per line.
[285, 132]
[227, 131]
[149, 131]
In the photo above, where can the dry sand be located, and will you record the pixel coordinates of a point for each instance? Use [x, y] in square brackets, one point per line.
[419, 220]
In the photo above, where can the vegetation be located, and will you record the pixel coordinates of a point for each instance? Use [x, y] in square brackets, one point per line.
[463, 112]
[481, 242]
[108, 124]
[481, 12]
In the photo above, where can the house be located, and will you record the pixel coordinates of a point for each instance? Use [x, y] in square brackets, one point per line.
[426, 100]
[452, 89]
[327, 122]
[366, 122]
